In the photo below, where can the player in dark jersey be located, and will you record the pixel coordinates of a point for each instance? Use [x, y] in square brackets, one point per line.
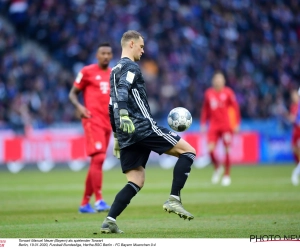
[137, 134]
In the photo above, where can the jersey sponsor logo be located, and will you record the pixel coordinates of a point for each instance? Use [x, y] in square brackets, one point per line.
[130, 76]
[98, 145]
[98, 77]
[78, 77]
[104, 87]
[213, 103]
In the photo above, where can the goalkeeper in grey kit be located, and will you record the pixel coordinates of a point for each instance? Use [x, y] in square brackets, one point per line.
[137, 134]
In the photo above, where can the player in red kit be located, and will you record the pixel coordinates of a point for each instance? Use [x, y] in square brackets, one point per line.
[218, 101]
[294, 119]
[93, 82]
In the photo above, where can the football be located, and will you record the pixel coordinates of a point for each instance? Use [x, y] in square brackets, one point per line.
[179, 119]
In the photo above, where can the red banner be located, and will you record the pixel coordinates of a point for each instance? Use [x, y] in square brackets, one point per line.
[66, 147]
[244, 148]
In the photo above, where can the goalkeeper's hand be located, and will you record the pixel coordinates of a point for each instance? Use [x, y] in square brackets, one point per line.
[116, 150]
[126, 125]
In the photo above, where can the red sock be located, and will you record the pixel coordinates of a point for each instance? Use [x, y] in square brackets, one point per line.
[227, 164]
[96, 174]
[88, 191]
[214, 160]
[296, 158]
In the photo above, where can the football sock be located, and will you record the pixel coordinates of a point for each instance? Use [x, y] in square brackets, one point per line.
[88, 191]
[297, 169]
[176, 197]
[123, 199]
[110, 218]
[181, 172]
[227, 164]
[96, 174]
[214, 159]
[296, 158]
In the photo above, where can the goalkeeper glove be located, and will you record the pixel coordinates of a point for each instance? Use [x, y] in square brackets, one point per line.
[116, 150]
[126, 125]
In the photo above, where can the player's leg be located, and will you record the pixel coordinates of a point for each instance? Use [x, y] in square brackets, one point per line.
[133, 161]
[186, 155]
[227, 139]
[296, 171]
[85, 207]
[162, 140]
[96, 171]
[294, 147]
[95, 148]
[295, 155]
[97, 168]
[213, 137]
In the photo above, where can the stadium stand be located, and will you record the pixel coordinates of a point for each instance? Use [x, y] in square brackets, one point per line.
[256, 43]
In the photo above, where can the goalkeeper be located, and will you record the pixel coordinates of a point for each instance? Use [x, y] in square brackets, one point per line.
[137, 134]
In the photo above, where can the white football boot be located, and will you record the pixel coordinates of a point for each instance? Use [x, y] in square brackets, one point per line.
[226, 180]
[217, 175]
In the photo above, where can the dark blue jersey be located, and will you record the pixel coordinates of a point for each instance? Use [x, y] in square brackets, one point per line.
[128, 92]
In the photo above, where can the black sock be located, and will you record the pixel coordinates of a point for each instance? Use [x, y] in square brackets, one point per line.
[123, 199]
[181, 171]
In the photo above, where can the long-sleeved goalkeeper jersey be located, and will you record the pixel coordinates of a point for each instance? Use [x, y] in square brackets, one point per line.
[128, 92]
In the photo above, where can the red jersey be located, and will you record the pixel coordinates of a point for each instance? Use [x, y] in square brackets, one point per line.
[294, 112]
[217, 109]
[94, 83]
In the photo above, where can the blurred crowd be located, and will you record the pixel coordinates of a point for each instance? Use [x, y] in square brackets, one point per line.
[255, 43]
[33, 88]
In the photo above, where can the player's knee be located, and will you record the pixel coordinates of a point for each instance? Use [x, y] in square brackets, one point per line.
[191, 150]
[211, 147]
[140, 182]
[97, 160]
[227, 149]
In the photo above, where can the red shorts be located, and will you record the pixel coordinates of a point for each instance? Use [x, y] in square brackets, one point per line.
[96, 137]
[296, 139]
[215, 134]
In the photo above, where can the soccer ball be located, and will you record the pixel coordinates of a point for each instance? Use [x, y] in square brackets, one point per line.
[179, 119]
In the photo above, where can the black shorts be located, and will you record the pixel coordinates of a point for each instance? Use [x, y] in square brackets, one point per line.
[137, 154]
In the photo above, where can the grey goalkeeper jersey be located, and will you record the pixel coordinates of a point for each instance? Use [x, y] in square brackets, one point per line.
[128, 91]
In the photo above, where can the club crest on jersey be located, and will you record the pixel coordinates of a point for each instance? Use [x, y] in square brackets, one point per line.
[98, 145]
[213, 103]
[98, 77]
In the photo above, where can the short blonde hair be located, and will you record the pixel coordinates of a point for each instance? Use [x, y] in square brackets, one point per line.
[129, 35]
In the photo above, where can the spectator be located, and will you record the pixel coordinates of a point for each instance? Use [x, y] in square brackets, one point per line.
[256, 44]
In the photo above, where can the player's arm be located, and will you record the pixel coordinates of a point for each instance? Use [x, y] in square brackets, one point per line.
[204, 113]
[292, 114]
[116, 149]
[297, 117]
[236, 107]
[127, 77]
[73, 97]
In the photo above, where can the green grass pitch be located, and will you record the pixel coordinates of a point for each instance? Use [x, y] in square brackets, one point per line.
[260, 201]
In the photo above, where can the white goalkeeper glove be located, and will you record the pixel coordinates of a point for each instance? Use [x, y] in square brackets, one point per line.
[116, 150]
